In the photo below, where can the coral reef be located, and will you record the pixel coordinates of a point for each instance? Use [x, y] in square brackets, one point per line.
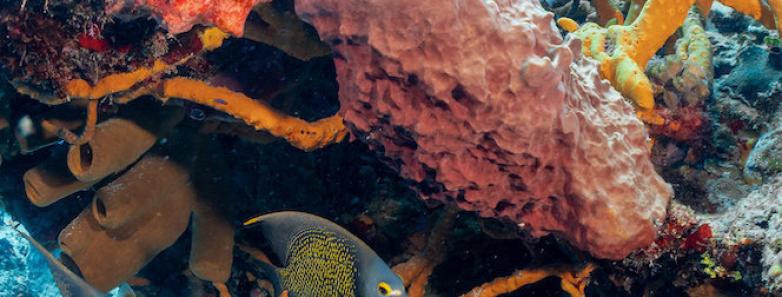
[473, 105]
[752, 220]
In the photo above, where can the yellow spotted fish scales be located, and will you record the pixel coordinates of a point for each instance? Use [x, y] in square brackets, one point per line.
[320, 263]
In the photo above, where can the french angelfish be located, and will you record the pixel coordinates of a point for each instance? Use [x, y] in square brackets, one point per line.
[321, 259]
[70, 284]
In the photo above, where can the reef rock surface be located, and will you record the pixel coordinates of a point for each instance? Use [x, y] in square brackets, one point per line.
[759, 219]
[23, 271]
[484, 104]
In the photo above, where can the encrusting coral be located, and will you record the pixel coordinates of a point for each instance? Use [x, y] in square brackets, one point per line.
[180, 16]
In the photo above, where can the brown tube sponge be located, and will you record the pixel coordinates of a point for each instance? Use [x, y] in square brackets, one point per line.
[51, 181]
[119, 142]
[138, 192]
[211, 253]
[107, 257]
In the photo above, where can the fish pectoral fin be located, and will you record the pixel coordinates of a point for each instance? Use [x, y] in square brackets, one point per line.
[261, 265]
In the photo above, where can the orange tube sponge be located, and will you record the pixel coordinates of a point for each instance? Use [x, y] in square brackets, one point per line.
[51, 181]
[504, 285]
[114, 83]
[106, 257]
[211, 252]
[415, 272]
[136, 194]
[119, 142]
[573, 283]
[299, 133]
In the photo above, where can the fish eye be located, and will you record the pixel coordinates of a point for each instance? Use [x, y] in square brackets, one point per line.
[384, 289]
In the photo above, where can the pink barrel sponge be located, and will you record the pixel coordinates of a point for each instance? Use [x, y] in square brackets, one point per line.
[181, 15]
[483, 104]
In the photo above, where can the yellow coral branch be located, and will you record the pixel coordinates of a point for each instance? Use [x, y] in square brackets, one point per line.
[299, 133]
[623, 62]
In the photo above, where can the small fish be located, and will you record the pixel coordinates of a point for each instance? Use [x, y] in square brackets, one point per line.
[70, 284]
[322, 259]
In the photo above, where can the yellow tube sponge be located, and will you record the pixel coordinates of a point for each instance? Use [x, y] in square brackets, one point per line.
[299, 133]
[633, 45]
